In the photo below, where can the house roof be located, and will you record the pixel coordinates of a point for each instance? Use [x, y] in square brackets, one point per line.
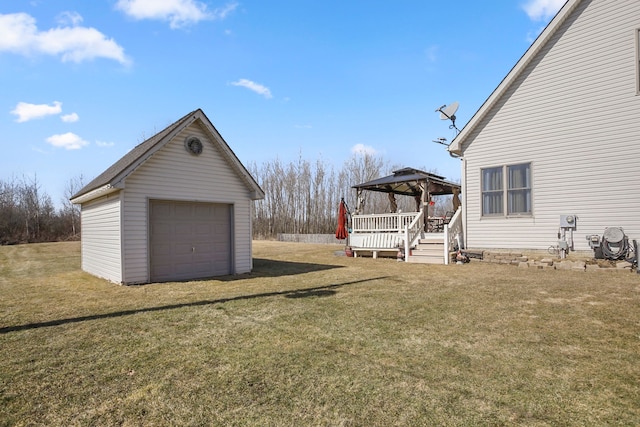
[112, 178]
[456, 145]
[405, 181]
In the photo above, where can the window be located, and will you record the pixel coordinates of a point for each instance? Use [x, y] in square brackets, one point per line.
[514, 198]
[519, 191]
[492, 191]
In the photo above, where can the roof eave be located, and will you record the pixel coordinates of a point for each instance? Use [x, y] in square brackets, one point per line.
[94, 194]
[456, 145]
[256, 192]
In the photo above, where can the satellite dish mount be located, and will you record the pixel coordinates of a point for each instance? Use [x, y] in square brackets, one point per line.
[449, 113]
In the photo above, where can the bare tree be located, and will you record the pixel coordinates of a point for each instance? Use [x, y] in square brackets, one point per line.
[360, 168]
[27, 213]
[11, 224]
[71, 212]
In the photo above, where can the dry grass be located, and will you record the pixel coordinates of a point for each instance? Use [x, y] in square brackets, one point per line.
[309, 338]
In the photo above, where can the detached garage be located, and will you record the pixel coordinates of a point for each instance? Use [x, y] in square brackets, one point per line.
[176, 207]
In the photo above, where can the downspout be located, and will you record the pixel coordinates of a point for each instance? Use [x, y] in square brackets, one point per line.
[463, 184]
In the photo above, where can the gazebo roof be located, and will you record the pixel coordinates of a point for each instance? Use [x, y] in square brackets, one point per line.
[406, 182]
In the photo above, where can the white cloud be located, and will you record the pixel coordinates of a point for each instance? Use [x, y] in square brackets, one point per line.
[70, 118]
[533, 35]
[222, 12]
[26, 111]
[363, 149]
[539, 10]
[68, 141]
[69, 18]
[179, 13]
[105, 144]
[255, 87]
[20, 35]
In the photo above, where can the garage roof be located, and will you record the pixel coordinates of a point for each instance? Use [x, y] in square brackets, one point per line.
[113, 177]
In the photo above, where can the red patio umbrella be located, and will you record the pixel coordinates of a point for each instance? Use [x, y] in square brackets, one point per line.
[341, 231]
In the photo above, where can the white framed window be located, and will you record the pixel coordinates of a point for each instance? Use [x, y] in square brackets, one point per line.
[506, 190]
[519, 189]
[492, 192]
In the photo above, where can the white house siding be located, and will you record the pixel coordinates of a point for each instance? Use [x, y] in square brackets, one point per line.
[101, 254]
[174, 174]
[573, 113]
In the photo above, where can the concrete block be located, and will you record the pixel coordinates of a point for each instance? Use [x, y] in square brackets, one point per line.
[564, 265]
[623, 264]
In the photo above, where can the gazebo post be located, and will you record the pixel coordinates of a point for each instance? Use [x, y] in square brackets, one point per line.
[424, 201]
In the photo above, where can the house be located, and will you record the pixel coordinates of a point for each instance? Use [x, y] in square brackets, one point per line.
[559, 136]
[176, 207]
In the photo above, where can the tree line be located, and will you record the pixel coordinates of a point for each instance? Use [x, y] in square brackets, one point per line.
[28, 214]
[301, 197]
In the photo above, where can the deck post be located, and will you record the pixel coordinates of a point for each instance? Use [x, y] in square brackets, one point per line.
[406, 243]
[446, 244]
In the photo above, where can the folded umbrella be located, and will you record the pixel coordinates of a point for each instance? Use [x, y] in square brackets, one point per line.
[341, 231]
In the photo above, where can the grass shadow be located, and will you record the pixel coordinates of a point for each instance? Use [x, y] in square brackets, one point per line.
[273, 268]
[261, 268]
[312, 293]
[324, 291]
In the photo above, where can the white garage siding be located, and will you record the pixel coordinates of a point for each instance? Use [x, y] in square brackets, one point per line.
[174, 174]
[573, 113]
[101, 255]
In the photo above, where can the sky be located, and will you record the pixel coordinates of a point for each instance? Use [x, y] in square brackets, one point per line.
[83, 82]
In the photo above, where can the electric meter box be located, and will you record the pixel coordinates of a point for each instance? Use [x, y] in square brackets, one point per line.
[568, 221]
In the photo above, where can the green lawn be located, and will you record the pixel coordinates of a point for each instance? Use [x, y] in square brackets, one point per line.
[310, 338]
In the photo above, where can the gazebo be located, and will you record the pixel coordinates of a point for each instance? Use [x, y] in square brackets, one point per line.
[417, 236]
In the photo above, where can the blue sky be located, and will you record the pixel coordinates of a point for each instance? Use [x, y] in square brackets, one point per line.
[83, 82]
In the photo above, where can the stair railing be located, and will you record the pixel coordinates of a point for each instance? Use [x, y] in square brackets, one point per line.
[451, 231]
[412, 233]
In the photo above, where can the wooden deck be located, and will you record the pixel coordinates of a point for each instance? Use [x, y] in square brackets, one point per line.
[386, 234]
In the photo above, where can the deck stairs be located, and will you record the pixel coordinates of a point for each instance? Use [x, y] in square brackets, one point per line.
[428, 250]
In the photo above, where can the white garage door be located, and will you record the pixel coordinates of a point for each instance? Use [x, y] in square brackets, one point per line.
[189, 240]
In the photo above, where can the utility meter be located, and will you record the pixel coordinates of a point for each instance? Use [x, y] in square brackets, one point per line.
[568, 221]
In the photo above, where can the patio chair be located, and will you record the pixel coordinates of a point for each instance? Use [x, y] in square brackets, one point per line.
[447, 218]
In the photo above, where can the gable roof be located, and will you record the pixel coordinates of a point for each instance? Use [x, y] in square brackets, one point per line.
[456, 145]
[113, 177]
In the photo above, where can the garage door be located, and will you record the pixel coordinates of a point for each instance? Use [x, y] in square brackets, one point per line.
[189, 240]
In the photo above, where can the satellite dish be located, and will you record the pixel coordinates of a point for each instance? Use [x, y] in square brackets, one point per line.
[449, 113]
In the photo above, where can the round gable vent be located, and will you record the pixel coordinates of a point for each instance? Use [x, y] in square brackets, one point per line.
[193, 145]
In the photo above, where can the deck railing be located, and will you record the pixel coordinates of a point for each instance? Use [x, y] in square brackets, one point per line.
[412, 233]
[407, 228]
[389, 222]
[451, 233]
